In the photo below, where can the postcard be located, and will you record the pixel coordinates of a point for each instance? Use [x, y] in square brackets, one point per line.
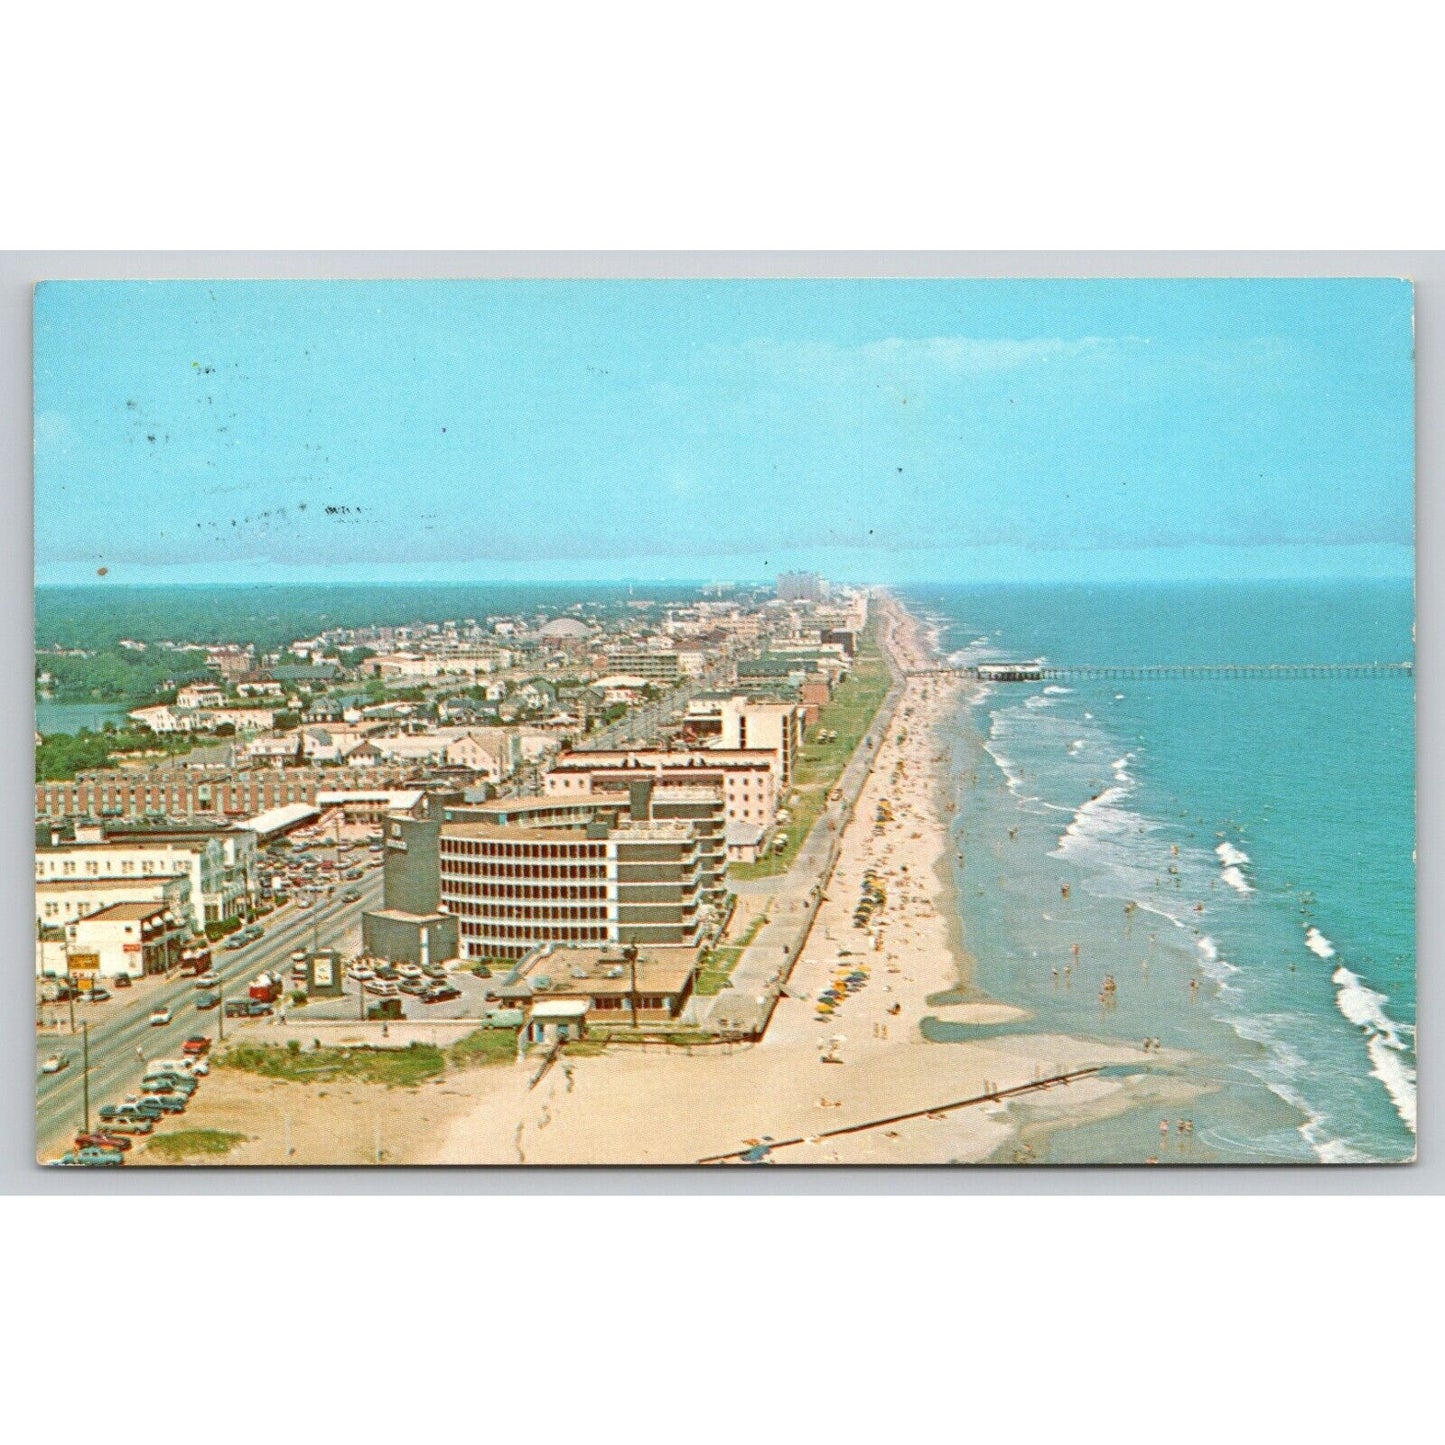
[724, 723]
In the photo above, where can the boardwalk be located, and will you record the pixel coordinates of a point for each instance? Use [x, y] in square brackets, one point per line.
[1152, 672]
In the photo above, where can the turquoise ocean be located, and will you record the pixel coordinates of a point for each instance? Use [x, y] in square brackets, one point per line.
[1237, 855]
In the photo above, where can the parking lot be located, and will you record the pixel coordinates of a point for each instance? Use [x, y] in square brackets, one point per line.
[472, 1003]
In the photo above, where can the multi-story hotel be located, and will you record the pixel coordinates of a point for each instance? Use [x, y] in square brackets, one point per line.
[748, 782]
[515, 885]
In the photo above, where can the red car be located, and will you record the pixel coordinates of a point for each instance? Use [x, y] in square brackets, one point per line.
[196, 1044]
[102, 1141]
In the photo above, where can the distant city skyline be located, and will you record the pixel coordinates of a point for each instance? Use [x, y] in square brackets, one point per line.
[874, 431]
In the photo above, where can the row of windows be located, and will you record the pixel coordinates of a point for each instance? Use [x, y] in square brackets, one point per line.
[580, 894]
[490, 848]
[455, 868]
[536, 933]
[530, 912]
[611, 1003]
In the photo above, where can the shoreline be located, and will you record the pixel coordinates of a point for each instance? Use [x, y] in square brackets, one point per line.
[673, 1106]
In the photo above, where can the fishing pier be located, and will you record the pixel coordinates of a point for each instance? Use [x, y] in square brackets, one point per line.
[1004, 672]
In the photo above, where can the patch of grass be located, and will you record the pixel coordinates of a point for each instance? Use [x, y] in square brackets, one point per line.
[482, 1048]
[850, 714]
[716, 970]
[193, 1143]
[584, 1048]
[405, 1068]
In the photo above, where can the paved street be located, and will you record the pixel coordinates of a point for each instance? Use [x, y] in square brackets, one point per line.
[121, 1027]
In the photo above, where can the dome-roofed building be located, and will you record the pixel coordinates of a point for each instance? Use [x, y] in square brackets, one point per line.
[564, 629]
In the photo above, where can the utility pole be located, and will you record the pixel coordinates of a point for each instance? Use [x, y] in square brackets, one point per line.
[221, 1011]
[632, 961]
[85, 1077]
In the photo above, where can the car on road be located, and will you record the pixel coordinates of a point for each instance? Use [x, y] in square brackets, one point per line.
[199, 1043]
[102, 1141]
[209, 979]
[55, 1063]
[441, 995]
[121, 980]
[236, 941]
[160, 1016]
[208, 1000]
[351, 895]
[238, 1008]
[96, 995]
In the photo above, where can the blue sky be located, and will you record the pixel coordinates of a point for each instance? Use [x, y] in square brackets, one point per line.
[889, 431]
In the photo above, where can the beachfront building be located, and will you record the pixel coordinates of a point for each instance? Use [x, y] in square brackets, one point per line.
[749, 781]
[732, 722]
[800, 587]
[631, 797]
[579, 987]
[514, 887]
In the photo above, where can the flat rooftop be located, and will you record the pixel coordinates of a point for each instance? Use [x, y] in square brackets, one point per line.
[126, 913]
[604, 973]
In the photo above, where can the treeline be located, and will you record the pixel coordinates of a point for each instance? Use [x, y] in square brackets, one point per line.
[271, 617]
[59, 757]
[118, 675]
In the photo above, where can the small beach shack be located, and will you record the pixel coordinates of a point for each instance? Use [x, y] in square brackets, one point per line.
[556, 1020]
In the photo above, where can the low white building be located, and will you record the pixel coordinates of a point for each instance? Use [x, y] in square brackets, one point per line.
[64, 900]
[127, 938]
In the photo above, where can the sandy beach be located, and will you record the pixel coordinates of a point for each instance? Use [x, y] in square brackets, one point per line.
[658, 1105]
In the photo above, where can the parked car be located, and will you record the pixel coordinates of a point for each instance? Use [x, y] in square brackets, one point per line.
[208, 1000]
[160, 1016]
[132, 1109]
[92, 1156]
[197, 1044]
[441, 995]
[238, 1008]
[114, 1125]
[381, 987]
[121, 980]
[257, 1008]
[102, 1141]
[55, 1063]
[412, 986]
[409, 970]
[172, 1103]
[168, 1083]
